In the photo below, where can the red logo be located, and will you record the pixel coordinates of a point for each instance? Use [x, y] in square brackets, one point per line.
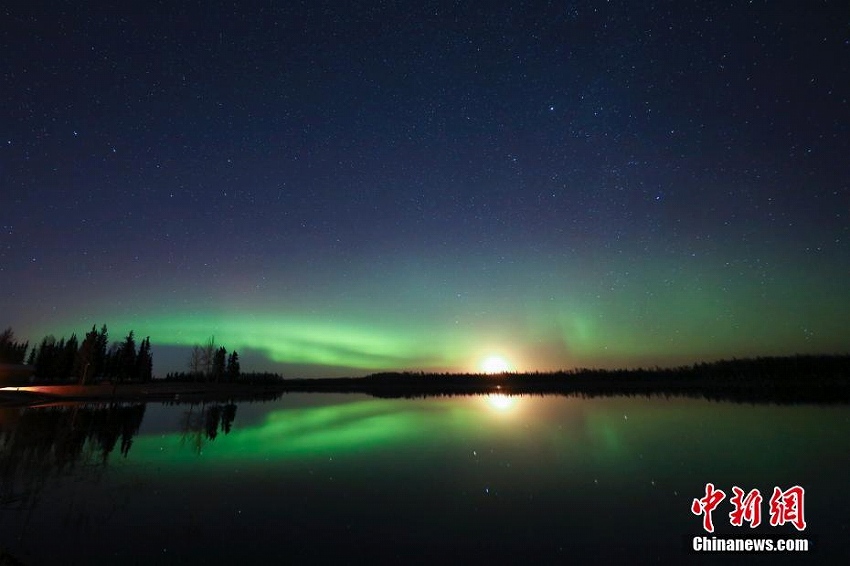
[785, 507]
[747, 508]
[707, 504]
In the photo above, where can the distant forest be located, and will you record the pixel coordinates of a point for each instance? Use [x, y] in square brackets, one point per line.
[789, 379]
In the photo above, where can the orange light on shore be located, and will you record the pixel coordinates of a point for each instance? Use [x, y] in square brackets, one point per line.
[34, 388]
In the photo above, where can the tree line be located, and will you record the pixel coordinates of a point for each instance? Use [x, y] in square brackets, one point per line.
[209, 362]
[84, 361]
[95, 359]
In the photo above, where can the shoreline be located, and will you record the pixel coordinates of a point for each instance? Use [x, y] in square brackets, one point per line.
[798, 379]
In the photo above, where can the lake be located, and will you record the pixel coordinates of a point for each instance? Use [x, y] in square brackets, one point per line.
[349, 478]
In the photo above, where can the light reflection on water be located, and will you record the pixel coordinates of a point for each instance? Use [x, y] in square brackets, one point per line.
[338, 476]
[501, 402]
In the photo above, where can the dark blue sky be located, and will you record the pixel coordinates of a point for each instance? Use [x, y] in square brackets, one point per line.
[346, 186]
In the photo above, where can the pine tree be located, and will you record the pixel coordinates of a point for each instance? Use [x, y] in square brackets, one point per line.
[127, 358]
[99, 360]
[11, 351]
[219, 364]
[233, 367]
[144, 361]
[67, 357]
[55, 363]
[86, 365]
[44, 358]
[112, 360]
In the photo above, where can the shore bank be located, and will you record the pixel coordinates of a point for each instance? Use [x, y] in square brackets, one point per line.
[797, 379]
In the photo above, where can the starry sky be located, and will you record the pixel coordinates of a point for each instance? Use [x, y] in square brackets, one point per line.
[334, 188]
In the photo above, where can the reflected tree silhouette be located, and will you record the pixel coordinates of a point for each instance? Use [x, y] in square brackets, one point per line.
[40, 447]
[36, 443]
[202, 422]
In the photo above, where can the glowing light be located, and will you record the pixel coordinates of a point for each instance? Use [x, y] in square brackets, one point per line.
[495, 364]
[501, 402]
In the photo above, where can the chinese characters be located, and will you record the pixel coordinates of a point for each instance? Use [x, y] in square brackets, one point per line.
[784, 507]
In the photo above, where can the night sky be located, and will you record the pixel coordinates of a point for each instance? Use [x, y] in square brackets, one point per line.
[333, 188]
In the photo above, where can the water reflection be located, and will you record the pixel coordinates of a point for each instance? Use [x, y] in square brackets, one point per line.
[202, 422]
[501, 402]
[493, 477]
[38, 443]
[352, 425]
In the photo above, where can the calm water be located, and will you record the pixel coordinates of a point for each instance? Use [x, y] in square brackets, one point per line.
[349, 479]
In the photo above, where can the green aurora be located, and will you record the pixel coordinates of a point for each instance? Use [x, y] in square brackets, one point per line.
[641, 311]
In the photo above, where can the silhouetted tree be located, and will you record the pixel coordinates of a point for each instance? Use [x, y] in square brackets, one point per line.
[101, 344]
[67, 356]
[207, 362]
[195, 360]
[112, 360]
[233, 367]
[202, 358]
[207, 356]
[45, 357]
[127, 358]
[57, 359]
[219, 364]
[90, 357]
[11, 351]
[144, 361]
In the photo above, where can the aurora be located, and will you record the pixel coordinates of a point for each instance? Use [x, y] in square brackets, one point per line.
[625, 192]
[705, 315]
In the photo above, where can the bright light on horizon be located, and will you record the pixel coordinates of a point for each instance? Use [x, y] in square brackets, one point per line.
[495, 364]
